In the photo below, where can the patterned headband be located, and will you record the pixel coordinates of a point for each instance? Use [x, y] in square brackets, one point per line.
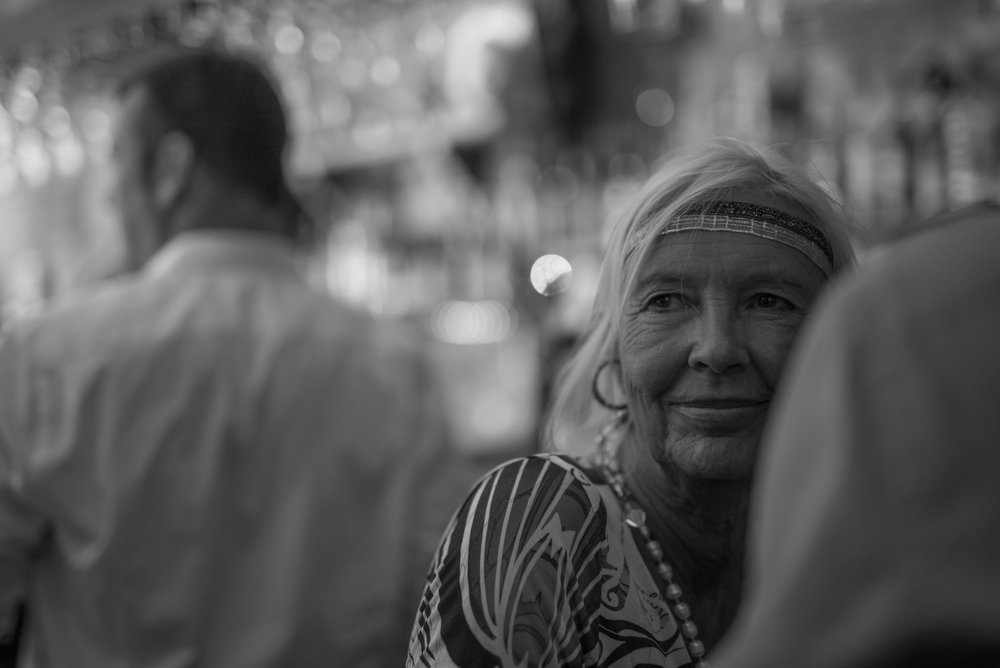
[760, 221]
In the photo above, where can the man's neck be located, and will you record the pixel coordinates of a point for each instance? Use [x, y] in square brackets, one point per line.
[227, 208]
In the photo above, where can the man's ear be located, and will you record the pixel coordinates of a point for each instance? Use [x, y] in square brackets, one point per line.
[172, 168]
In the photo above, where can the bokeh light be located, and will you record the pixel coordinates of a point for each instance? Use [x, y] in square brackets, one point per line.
[551, 275]
[473, 322]
[289, 40]
[654, 107]
[326, 46]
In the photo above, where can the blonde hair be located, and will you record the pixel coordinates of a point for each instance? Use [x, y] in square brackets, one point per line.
[710, 171]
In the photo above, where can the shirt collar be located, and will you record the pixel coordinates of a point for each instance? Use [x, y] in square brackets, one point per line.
[223, 248]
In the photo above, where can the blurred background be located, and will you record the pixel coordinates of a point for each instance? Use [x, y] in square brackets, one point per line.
[463, 159]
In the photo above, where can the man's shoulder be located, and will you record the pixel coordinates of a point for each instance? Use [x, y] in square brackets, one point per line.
[108, 294]
[73, 314]
[948, 268]
[946, 255]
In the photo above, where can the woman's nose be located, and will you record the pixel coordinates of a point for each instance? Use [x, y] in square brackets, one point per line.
[719, 344]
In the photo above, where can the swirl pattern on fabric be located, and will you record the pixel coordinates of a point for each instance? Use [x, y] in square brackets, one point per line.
[538, 568]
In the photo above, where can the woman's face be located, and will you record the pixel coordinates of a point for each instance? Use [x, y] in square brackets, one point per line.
[705, 335]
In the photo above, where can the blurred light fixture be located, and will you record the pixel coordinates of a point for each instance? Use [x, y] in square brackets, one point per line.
[654, 107]
[30, 77]
[23, 284]
[734, 6]
[68, 155]
[33, 160]
[289, 39]
[57, 121]
[336, 109]
[385, 71]
[96, 125]
[23, 105]
[325, 47]
[624, 15]
[373, 130]
[353, 73]
[551, 275]
[652, 17]
[430, 39]
[473, 322]
[771, 16]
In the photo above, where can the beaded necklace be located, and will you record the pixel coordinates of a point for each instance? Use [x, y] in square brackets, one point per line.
[635, 517]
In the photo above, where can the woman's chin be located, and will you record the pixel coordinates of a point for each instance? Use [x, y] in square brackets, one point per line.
[715, 457]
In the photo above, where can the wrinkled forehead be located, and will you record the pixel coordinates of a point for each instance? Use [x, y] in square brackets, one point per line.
[694, 255]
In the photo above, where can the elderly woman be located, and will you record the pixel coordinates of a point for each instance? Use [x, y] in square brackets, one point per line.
[630, 551]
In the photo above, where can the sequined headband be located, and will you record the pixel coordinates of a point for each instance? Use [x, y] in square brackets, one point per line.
[760, 221]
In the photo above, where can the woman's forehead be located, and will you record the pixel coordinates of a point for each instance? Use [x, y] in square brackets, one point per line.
[744, 223]
[696, 254]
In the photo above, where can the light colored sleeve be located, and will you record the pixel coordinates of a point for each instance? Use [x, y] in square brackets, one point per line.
[22, 527]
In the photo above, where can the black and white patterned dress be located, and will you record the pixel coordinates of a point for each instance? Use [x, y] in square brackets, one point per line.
[538, 568]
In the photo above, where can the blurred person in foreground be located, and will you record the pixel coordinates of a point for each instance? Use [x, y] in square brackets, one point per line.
[630, 551]
[878, 501]
[207, 462]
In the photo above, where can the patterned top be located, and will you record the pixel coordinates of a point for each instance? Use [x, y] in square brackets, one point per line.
[538, 568]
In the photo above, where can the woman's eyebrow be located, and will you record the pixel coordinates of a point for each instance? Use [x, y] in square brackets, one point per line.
[785, 279]
[667, 276]
[662, 276]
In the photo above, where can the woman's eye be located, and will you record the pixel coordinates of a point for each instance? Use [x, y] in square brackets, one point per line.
[768, 301]
[667, 301]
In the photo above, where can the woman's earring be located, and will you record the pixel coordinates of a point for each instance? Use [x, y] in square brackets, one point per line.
[595, 388]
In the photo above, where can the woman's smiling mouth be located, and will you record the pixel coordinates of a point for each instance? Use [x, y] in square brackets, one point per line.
[723, 414]
[720, 403]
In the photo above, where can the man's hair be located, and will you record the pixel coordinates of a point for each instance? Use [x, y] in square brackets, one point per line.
[225, 104]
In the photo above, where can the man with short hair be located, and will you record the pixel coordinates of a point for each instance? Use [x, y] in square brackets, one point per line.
[207, 462]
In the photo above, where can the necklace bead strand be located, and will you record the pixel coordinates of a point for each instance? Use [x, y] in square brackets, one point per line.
[635, 517]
